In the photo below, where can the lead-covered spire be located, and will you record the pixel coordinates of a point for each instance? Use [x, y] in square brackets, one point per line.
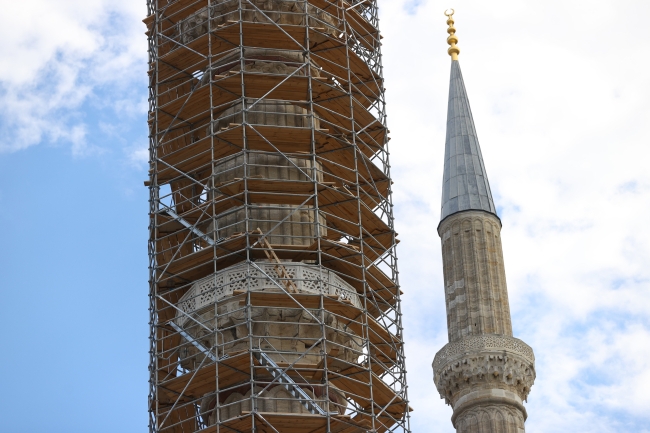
[465, 182]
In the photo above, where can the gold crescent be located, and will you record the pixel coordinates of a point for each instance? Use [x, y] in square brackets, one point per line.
[450, 14]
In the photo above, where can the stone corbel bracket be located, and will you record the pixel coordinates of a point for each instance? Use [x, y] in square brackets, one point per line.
[484, 362]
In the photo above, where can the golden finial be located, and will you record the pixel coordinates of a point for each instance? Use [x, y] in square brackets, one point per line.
[452, 40]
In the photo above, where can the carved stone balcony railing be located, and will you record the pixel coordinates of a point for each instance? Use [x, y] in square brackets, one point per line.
[309, 279]
[484, 362]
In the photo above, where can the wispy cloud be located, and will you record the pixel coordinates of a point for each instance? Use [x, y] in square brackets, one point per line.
[558, 108]
[62, 58]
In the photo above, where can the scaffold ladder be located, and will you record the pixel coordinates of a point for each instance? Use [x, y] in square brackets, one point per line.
[282, 377]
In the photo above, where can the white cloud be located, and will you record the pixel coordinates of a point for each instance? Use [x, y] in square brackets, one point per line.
[138, 156]
[561, 102]
[61, 53]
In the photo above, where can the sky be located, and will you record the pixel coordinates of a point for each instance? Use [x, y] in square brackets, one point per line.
[561, 102]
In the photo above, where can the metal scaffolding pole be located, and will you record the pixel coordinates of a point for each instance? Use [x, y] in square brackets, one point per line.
[274, 293]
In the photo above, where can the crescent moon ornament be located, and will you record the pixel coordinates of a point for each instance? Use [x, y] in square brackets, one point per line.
[452, 40]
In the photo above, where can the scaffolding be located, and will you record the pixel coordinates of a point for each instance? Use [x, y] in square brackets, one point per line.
[274, 293]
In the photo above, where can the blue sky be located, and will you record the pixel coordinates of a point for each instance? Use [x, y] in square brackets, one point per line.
[74, 302]
[561, 103]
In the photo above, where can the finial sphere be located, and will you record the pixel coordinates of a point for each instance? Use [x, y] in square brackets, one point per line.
[452, 40]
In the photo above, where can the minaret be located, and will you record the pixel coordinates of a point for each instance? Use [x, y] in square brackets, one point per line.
[483, 372]
[273, 282]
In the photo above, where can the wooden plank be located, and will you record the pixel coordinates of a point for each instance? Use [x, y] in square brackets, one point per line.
[229, 372]
[193, 102]
[188, 157]
[179, 420]
[196, 158]
[343, 165]
[344, 259]
[337, 202]
[332, 104]
[175, 9]
[347, 314]
[302, 422]
[336, 109]
[343, 204]
[188, 107]
[331, 53]
[382, 423]
[286, 139]
[356, 381]
[354, 18]
[201, 263]
[183, 60]
[348, 263]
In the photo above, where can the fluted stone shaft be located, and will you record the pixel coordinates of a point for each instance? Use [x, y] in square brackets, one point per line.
[490, 418]
[475, 281]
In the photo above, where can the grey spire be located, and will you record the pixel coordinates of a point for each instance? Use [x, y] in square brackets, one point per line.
[465, 184]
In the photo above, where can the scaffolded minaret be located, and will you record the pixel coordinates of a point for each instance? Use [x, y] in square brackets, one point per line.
[483, 372]
[274, 298]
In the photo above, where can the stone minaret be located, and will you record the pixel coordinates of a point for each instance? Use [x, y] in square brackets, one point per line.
[483, 372]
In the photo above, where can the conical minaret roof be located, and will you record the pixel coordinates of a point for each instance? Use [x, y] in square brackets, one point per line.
[465, 182]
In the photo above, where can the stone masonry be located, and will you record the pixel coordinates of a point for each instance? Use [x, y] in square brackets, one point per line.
[483, 373]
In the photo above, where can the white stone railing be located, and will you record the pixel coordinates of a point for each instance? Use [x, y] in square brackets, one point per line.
[309, 279]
